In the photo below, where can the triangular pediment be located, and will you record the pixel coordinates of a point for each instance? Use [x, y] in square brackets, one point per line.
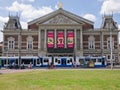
[60, 16]
[60, 19]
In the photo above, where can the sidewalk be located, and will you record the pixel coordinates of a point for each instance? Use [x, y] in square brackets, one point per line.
[6, 71]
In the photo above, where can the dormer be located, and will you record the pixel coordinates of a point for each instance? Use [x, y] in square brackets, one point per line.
[108, 22]
[13, 23]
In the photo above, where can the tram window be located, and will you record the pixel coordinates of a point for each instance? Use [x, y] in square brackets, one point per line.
[81, 61]
[27, 61]
[94, 60]
[56, 60]
[45, 60]
[16, 61]
[68, 61]
[99, 60]
[38, 61]
[87, 60]
[5, 62]
[8, 61]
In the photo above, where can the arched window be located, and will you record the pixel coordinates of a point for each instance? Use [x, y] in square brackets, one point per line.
[11, 42]
[29, 42]
[91, 42]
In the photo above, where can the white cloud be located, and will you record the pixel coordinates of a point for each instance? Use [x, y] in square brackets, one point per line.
[28, 12]
[90, 17]
[35, 13]
[24, 25]
[110, 6]
[3, 20]
[1, 36]
[19, 7]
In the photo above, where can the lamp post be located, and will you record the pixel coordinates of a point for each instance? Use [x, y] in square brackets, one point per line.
[19, 56]
[6, 49]
[111, 47]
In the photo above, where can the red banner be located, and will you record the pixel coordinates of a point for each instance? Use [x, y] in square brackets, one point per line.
[50, 43]
[70, 39]
[60, 40]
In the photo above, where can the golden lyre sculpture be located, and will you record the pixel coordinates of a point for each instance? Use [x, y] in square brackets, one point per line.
[60, 5]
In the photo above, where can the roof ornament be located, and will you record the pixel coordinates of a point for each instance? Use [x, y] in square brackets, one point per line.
[60, 5]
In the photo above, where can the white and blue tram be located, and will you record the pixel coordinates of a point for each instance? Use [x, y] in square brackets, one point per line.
[14, 61]
[63, 61]
[43, 61]
[6, 61]
[90, 61]
[36, 61]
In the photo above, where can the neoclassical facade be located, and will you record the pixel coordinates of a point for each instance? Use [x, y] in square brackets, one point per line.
[61, 33]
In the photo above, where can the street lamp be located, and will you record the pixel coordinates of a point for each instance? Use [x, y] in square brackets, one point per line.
[19, 48]
[111, 45]
[6, 50]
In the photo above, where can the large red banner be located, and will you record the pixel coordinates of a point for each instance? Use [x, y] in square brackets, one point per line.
[50, 43]
[60, 40]
[70, 39]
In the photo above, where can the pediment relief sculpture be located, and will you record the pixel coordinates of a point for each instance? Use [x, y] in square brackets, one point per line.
[60, 19]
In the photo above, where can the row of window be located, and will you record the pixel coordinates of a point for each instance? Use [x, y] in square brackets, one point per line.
[91, 41]
[11, 43]
[30, 43]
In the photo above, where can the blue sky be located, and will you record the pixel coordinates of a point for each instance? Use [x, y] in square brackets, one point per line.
[31, 9]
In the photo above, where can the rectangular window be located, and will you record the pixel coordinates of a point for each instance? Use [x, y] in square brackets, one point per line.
[11, 44]
[30, 45]
[91, 45]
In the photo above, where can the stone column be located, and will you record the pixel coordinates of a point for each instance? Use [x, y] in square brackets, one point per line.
[45, 39]
[19, 47]
[39, 40]
[75, 39]
[65, 37]
[55, 37]
[81, 40]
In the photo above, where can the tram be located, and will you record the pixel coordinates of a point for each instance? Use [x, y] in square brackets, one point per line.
[63, 61]
[11, 62]
[45, 61]
[90, 61]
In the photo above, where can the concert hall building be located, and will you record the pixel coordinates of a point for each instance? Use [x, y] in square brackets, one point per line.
[61, 33]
